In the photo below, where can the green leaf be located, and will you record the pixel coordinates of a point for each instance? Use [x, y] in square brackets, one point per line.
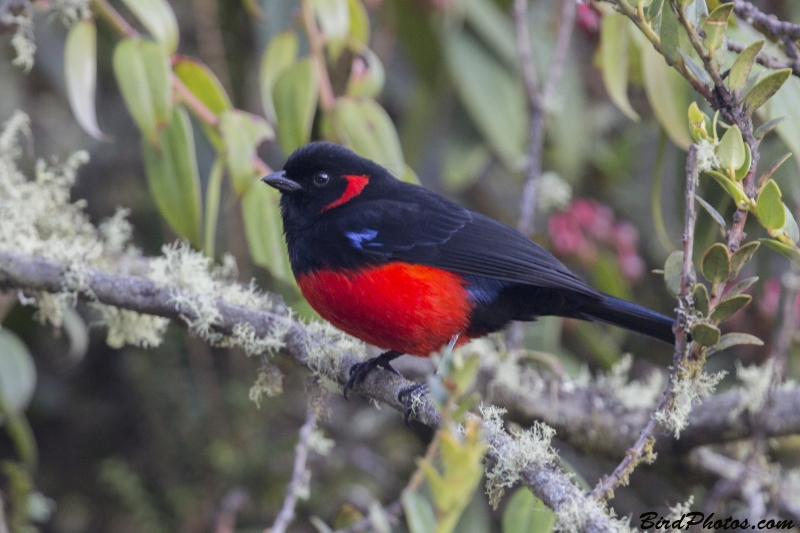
[368, 77]
[790, 252]
[525, 513]
[365, 127]
[418, 512]
[241, 134]
[80, 72]
[173, 177]
[790, 228]
[742, 256]
[729, 307]
[767, 127]
[143, 73]
[716, 264]
[334, 21]
[615, 61]
[766, 88]
[668, 96]
[264, 231]
[740, 70]
[491, 94]
[204, 85]
[672, 272]
[730, 340]
[734, 189]
[742, 286]
[295, 97]
[653, 10]
[281, 53]
[213, 194]
[494, 28]
[696, 70]
[742, 171]
[713, 212]
[359, 21]
[669, 31]
[769, 206]
[159, 19]
[705, 334]
[715, 26]
[17, 374]
[701, 302]
[199, 79]
[730, 151]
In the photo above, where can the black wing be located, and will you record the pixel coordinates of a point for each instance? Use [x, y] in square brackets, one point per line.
[432, 230]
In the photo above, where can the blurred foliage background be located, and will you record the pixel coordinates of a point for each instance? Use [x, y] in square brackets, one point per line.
[167, 439]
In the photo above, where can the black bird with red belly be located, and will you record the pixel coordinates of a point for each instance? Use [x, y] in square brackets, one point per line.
[405, 269]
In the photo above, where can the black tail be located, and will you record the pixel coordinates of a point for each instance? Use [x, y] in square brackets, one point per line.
[630, 316]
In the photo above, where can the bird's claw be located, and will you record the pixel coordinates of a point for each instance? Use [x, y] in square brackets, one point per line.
[359, 371]
[410, 394]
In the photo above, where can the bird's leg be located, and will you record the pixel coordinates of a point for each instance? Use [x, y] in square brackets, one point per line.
[359, 371]
[418, 389]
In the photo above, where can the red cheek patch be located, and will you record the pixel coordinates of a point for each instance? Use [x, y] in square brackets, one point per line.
[355, 184]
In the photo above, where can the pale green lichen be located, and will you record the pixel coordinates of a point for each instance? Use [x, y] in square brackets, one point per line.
[269, 382]
[552, 192]
[573, 515]
[319, 443]
[378, 518]
[687, 391]
[756, 382]
[707, 155]
[129, 327]
[199, 285]
[326, 346]
[318, 396]
[72, 11]
[631, 394]
[22, 40]
[528, 449]
[680, 509]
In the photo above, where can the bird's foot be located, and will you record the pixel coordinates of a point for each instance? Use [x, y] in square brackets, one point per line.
[411, 394]
[359, 371]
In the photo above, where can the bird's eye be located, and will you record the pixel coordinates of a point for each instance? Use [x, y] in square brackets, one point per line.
[321, 179]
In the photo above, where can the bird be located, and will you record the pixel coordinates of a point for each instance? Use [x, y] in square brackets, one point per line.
[410, 271]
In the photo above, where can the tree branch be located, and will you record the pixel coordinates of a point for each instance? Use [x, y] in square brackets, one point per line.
[766, 23]
[642, 450]
[18, 271]
[286, 514]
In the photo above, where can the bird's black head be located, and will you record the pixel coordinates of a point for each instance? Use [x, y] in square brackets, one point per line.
[322, 176]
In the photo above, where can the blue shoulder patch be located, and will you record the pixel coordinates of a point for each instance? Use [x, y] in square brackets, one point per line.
[484, 290]
[360, 238]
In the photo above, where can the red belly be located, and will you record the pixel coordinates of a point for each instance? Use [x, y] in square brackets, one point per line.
[412, 309]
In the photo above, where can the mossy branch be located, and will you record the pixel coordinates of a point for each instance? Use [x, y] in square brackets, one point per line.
[32, 273]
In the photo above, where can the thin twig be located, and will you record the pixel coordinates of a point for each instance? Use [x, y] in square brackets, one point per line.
[299, 477]
[538, 98]
[766, 23]
[114, 18]
[766, 60]
[626, 9]
[642, 450]
[736, 472]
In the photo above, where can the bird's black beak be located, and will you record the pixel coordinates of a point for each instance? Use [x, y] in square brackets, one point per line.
[281, 182]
